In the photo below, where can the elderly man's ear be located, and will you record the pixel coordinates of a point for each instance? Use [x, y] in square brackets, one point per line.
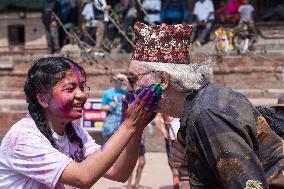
[165, 80]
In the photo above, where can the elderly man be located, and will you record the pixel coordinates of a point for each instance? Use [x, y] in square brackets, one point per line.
[227, 143]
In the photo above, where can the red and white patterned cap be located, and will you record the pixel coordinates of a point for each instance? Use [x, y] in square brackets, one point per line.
[162, 43]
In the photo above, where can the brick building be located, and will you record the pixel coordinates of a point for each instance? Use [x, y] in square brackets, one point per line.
[21, 28]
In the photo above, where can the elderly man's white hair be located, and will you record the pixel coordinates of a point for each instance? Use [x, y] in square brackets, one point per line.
[183, 77]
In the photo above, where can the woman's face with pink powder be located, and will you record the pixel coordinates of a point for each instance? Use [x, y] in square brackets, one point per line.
[68, 97]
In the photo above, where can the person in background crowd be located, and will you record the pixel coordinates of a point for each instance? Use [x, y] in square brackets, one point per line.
[95, 14]
[221, 11]
[88, 23]
[131, 15]
[153, 10]
[174, 12]
[232, 11]
[140, 166]
[113, 34]
[228, 12]
[112, 104]
[51, 7]
[246, 28]
[246, 11]
[203, 21]
[69, 13]
[169, 127]
[115, 5]
[183, 176]
[45, 149]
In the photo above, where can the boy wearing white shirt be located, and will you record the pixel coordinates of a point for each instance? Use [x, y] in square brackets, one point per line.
[246, 12]
[204, 17]
[95, 14]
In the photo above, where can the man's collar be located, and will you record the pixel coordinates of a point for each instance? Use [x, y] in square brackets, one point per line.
[191, 96]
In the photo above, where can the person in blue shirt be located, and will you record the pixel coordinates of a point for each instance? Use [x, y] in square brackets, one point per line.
[174, 12]
[112, 104]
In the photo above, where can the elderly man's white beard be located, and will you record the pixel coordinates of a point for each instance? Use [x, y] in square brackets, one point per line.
[171, 105]
[165, 105]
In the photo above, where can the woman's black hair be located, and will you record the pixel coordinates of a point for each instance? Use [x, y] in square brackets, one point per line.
[42, 76]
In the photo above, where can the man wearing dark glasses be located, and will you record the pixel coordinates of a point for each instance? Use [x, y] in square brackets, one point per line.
[223, 142]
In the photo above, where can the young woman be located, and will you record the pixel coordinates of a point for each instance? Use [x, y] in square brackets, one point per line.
[46, 150]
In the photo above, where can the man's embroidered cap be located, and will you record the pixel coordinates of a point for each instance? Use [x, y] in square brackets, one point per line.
[159, 43]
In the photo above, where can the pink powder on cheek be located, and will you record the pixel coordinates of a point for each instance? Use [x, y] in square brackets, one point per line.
[60, 105]
[62, 102]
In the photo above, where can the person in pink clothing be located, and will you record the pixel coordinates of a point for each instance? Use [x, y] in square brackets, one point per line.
[46, 150]
[232, 10]
[228, 12]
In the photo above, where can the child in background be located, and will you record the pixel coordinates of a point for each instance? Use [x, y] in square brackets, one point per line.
[46, 150]
[232, 11]
[169, 126]
[112, 104]
[246, 13]
[140, 166]
[246, 25]
[153, 10]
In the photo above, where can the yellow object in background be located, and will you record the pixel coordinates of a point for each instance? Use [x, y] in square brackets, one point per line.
[224, 40]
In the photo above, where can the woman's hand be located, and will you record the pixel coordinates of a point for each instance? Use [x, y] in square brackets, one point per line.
[178, 155]
[140, 112]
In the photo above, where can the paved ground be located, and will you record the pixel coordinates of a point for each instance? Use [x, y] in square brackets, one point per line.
[156, 175]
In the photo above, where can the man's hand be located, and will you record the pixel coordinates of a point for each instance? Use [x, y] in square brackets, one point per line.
[178, 156]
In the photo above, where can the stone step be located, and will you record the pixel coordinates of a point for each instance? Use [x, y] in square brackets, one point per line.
[261, 93]
[6, 64]
[20, 105]
[13, 105]
[12, 94]
[267, 102]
